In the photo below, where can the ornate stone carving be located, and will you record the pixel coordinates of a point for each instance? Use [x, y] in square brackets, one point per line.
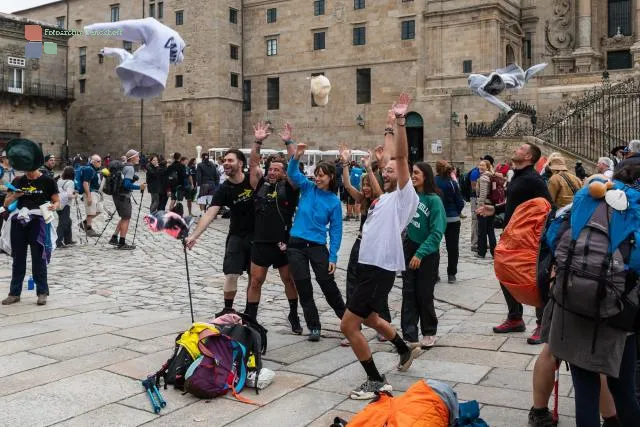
[560, 30]
[339, 11]
[616, 42]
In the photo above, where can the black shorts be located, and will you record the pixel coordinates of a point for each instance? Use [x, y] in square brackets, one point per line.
[268, 254]
[237, 255]
[123, 205]
[177, 193]
[373, 285]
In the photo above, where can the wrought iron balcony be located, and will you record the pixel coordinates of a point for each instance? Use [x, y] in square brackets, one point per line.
[11, 87]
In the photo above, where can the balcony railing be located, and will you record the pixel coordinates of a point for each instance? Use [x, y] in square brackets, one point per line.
[38, 90]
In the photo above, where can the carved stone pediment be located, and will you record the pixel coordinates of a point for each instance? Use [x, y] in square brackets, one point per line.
[617, 42]
[515, 28]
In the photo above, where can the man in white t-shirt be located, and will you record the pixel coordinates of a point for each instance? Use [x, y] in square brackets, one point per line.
[381, 255]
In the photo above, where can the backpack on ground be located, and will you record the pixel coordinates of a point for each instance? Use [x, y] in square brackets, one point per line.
[219, 369]
[598, 260]
[114, 182]
[185, 352]
[516, 255]
[465, 186]
[496, 190]
[252, 342]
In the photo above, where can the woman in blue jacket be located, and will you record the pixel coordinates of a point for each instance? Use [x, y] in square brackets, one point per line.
[453, 205]
[319, 208]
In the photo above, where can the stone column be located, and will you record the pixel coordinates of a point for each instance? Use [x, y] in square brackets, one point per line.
[635, 49]
[584, 54]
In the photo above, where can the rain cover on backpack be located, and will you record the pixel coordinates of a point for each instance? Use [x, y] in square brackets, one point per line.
[516, 254]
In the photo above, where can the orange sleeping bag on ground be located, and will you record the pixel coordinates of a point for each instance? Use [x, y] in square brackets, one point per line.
[516, 256]
[420, 406]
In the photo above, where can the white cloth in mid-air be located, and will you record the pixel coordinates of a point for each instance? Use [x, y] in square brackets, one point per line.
[510, 77]
[143, 73]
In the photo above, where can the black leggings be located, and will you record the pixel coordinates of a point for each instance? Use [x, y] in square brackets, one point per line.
[587, 391]
[300, 254]
[452, 240]
[417, 295]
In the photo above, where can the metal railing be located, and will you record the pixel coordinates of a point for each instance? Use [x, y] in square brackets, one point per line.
[39, 90]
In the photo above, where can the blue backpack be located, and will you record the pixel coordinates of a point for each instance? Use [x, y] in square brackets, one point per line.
[77, 180]
[597, 259]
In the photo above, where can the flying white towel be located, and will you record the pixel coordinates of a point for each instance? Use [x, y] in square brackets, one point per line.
[510, 77]
[143, 73]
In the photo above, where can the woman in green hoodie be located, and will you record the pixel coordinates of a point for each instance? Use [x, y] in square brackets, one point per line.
[422, 254]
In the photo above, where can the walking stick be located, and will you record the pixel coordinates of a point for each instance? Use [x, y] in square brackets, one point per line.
[138, 218]
[79, 218]
[186, 264]
[106, 224]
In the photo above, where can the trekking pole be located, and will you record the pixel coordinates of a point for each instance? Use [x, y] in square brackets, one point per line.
[138, 218]
[152, 383]
[556, 385]
[79, 218]
[147, 386]
[186, 264]
[106, 224]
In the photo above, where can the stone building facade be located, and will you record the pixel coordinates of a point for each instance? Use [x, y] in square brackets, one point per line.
[34, 95]
[250, 60]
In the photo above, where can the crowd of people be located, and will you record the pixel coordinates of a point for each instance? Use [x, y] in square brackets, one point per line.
[282, 218]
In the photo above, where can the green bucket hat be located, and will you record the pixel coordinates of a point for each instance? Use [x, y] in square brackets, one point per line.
[24, 155]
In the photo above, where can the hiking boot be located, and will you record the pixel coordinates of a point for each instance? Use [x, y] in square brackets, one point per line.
[510, 326]
[367, 390]
[314, 336]
[406, 359]
[224, 311]
[428, 342]
[126, 247]
[451, 278]
[534, 339]
[540, 417]
[113, 241]
[10, 300]
[71, 243]
[93, 233]
[294, 321]
[42, 299]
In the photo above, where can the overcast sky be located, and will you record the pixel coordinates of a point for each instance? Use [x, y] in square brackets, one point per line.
[9, 6]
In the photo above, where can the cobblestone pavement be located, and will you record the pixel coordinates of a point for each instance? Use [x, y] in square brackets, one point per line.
[112, 318]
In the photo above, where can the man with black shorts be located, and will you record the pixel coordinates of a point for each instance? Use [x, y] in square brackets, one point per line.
[122, 200]
[236, 193]
[275, 203]
[381, 255]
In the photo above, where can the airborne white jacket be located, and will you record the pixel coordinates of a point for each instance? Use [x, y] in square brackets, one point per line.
[143, 73]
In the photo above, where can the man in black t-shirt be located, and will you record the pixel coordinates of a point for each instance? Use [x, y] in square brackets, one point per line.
[236, 193]
[275, 201]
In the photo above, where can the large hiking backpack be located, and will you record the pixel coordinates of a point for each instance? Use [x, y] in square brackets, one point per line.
[496, 190]
[516, 255]
[114, 182]
[597, 261]
[250, 339]
[219, 369]
[465, 186]
[185, 352]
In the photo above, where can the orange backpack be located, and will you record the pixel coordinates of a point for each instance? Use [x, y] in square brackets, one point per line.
[516, 255]
[420, 406]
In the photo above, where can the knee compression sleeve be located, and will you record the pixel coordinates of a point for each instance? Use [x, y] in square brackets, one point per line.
[230, 283]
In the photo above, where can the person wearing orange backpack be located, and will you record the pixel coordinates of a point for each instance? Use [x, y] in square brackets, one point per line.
[526, 184]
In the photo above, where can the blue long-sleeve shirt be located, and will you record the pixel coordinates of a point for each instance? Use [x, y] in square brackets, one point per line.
[316, 209]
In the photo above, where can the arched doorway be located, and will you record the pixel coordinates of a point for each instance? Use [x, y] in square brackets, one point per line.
[510, 55]
[415, 132]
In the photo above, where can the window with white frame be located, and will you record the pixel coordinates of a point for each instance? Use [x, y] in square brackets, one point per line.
[16, 79]
[272, 47]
